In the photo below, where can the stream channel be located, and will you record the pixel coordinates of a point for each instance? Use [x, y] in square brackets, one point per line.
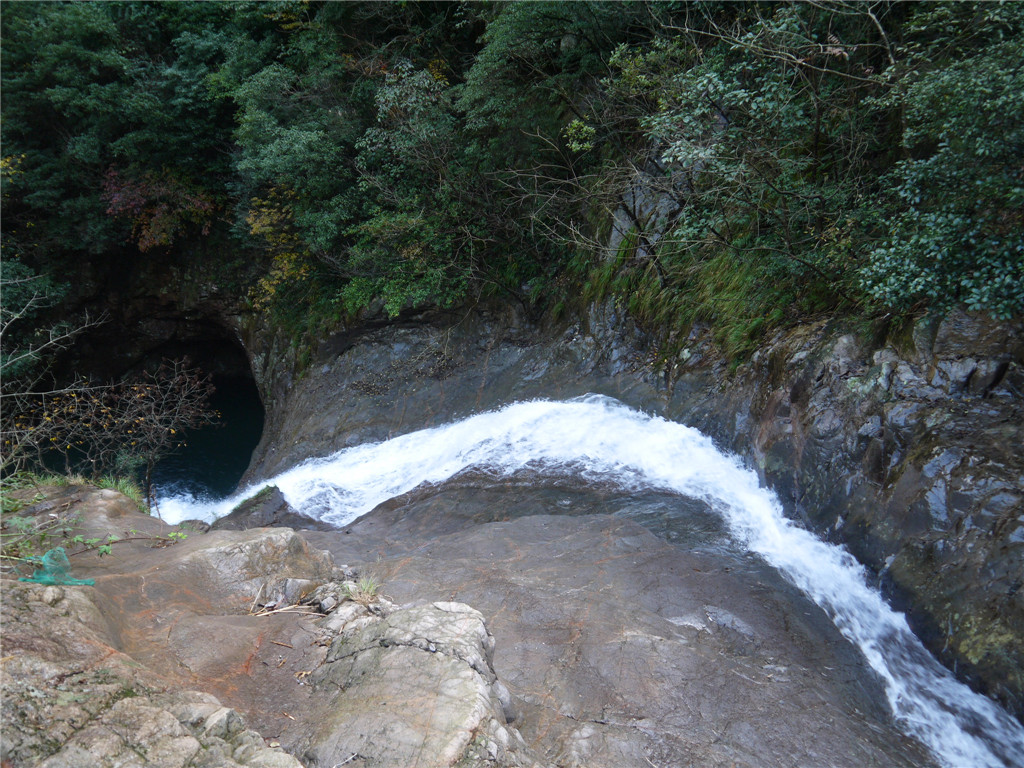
[558, 457]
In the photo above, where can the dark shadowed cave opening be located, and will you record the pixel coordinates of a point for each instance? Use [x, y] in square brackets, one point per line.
[212, 459]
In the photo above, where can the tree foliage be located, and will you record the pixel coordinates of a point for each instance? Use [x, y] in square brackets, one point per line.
[106, 429]
[829, 155]
[90, 86]
[956, 232]
[821, 156]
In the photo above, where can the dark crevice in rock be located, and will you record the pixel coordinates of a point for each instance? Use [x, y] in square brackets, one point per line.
[428, 647]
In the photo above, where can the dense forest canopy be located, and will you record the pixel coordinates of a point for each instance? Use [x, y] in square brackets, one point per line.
[861, 157]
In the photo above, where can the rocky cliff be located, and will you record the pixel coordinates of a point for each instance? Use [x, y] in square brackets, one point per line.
[902, 446]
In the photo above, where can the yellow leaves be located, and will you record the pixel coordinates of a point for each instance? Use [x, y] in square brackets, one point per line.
[289, 267]
[9, 168]
[437, 68]
[273, 217]
[415, 252]
[10, 163]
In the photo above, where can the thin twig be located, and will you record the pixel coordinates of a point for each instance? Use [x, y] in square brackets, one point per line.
[287, 608]
[253, 606]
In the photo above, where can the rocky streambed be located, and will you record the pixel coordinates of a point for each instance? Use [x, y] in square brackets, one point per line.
[553, 638]
[520, 619]
[903, 447]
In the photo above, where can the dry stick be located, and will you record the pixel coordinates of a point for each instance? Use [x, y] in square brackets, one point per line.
[253, 606]
[111, 542]
[284, 644]
[288, 608]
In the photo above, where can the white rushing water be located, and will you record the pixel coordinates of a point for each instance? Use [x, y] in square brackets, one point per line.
[601, 439]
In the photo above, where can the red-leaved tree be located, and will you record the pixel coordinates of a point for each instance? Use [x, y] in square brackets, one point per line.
[159, 206]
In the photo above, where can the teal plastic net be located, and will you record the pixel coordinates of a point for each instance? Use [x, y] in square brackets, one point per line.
[55, 568]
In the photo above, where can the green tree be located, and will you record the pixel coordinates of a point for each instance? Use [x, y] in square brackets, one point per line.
[954, 217]
[537, 61]
[93, 86]
[750, 119]
[65, 90]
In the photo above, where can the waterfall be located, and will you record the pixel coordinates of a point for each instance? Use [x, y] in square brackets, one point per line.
[601, 439]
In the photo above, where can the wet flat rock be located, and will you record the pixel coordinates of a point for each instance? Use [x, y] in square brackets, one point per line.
[622, 651]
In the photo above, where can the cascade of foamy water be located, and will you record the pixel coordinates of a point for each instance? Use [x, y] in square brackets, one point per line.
[601, 439]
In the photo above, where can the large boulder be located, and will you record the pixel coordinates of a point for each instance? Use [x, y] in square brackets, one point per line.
[419, 689]
[71, 699]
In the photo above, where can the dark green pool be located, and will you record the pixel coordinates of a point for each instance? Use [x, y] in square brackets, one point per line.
[215, 458]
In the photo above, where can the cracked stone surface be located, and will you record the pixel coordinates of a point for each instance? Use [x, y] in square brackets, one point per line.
[70, 699]
[418, 689]
[619, 650]
[213, 652]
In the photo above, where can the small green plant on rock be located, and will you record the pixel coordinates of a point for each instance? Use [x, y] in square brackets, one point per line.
[25, 538]
[364, 591]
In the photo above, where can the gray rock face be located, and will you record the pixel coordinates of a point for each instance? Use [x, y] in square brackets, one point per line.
[267, 508]
[909, 455]
[620, 651]
[418, 688]
[379, 381]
